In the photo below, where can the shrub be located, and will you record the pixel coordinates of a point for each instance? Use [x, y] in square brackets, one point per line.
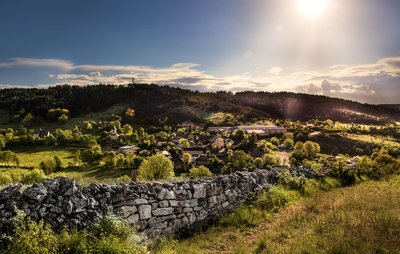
[242, 217]
[199, 172]
[34, 238]
[5, 179]
[276, 198]
[33, 176]
[156, 167]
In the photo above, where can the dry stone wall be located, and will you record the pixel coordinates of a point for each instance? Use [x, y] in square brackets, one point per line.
[154, 208]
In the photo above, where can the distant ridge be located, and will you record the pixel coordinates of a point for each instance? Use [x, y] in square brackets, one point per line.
[155, 104]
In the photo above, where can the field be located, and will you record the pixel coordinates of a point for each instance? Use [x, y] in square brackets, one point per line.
[384, 141]
[345, 220]
[32, 156]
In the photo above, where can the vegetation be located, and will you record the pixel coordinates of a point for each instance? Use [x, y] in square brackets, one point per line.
[111, 235]
[156, 167]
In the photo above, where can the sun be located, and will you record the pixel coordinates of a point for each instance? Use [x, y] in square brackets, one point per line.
[312, 8]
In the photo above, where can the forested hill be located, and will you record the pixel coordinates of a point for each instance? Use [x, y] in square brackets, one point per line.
[154, 104]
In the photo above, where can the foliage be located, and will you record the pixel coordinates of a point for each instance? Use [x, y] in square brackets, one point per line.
[199, 172]
[9, 158]
[33, 176]
[111, 235]
[156, 167]
[276, 198]
[240, 161]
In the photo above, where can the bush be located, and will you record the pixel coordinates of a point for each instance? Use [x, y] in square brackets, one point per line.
[5, 179]
[111, 236]
[33, 176]
[156, 167]
[276, 198]
[242, 217]
[34, 238]
[199, 172]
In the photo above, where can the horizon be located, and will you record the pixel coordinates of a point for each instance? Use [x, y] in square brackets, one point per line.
[340, 49]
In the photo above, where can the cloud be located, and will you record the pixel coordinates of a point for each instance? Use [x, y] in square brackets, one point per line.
[371, 82]
[33, 62]
[275, 70]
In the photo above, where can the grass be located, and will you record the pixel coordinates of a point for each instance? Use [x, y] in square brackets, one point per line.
[386, 141]
[359, 219]
[32, 156]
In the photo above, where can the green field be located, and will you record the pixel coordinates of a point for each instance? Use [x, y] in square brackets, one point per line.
[345, 220]
[33, 155]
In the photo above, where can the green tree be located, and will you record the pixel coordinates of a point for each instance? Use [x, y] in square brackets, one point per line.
[156, 167]
[184, 142]
[9, 158]
[240, 161]
[258, 163]
[199, 172]
[288, 143]
[298, 145]
[186, 159]
[62, 119]
[127, 129]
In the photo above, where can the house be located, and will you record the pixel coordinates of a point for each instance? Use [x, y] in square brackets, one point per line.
[114, 134]
[218, 142]
[40, 133]
[128, 149]
[257, 129]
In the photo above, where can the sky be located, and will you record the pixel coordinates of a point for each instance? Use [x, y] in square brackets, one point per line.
[340, 48]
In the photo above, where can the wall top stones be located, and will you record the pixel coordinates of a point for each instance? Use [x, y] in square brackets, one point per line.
[151, 207]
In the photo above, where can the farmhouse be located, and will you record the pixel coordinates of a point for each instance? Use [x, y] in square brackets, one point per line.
[257, 129]
[128, 149]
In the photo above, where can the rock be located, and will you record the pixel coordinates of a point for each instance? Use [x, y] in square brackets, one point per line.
[163, 211]
[140, 201]
[35, 193]
[134, 218]
[10, 191]
[199, 191]
[144, 212]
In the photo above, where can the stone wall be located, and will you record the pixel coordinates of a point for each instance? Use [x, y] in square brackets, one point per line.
[153, 207]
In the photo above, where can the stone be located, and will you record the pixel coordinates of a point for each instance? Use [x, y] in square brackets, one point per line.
[132, 219]
[126, 210]
[163, 211]
[35, 193]
[144, 212]
[140, 201]
[170, 195]
[163, 203]
[199, 191]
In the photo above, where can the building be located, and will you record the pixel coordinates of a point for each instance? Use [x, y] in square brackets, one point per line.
[257, 129]
[128, 149]
[114, 134]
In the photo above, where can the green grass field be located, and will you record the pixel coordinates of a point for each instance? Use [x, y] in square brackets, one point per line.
[32, 156]
[359, 219]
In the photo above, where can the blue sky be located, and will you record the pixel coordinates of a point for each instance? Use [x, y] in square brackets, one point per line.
[351, 50]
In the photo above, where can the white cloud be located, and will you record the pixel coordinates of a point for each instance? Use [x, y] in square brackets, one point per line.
[374, 82]
[275, 70]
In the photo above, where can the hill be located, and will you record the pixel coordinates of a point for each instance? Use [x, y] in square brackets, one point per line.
[155, 104]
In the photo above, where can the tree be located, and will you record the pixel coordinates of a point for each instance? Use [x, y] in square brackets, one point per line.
[271, 160]
[127, 129]
[310, 149]
[298, 145]
[275, 141]
[58, 163]
[156, 167]
[288, 143]
[199, 172]
[27, 119]
[9, 158]
[240, 161]
[2, 142]
[258, 163]
[186, 159]
[184, 142]
[62, 119]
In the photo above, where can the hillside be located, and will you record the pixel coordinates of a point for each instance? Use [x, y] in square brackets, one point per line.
[155, 104]
[349, 215]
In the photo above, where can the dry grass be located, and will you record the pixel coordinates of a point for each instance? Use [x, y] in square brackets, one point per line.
[359, 219]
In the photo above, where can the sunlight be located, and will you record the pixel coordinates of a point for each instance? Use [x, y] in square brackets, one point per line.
[312, 8]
